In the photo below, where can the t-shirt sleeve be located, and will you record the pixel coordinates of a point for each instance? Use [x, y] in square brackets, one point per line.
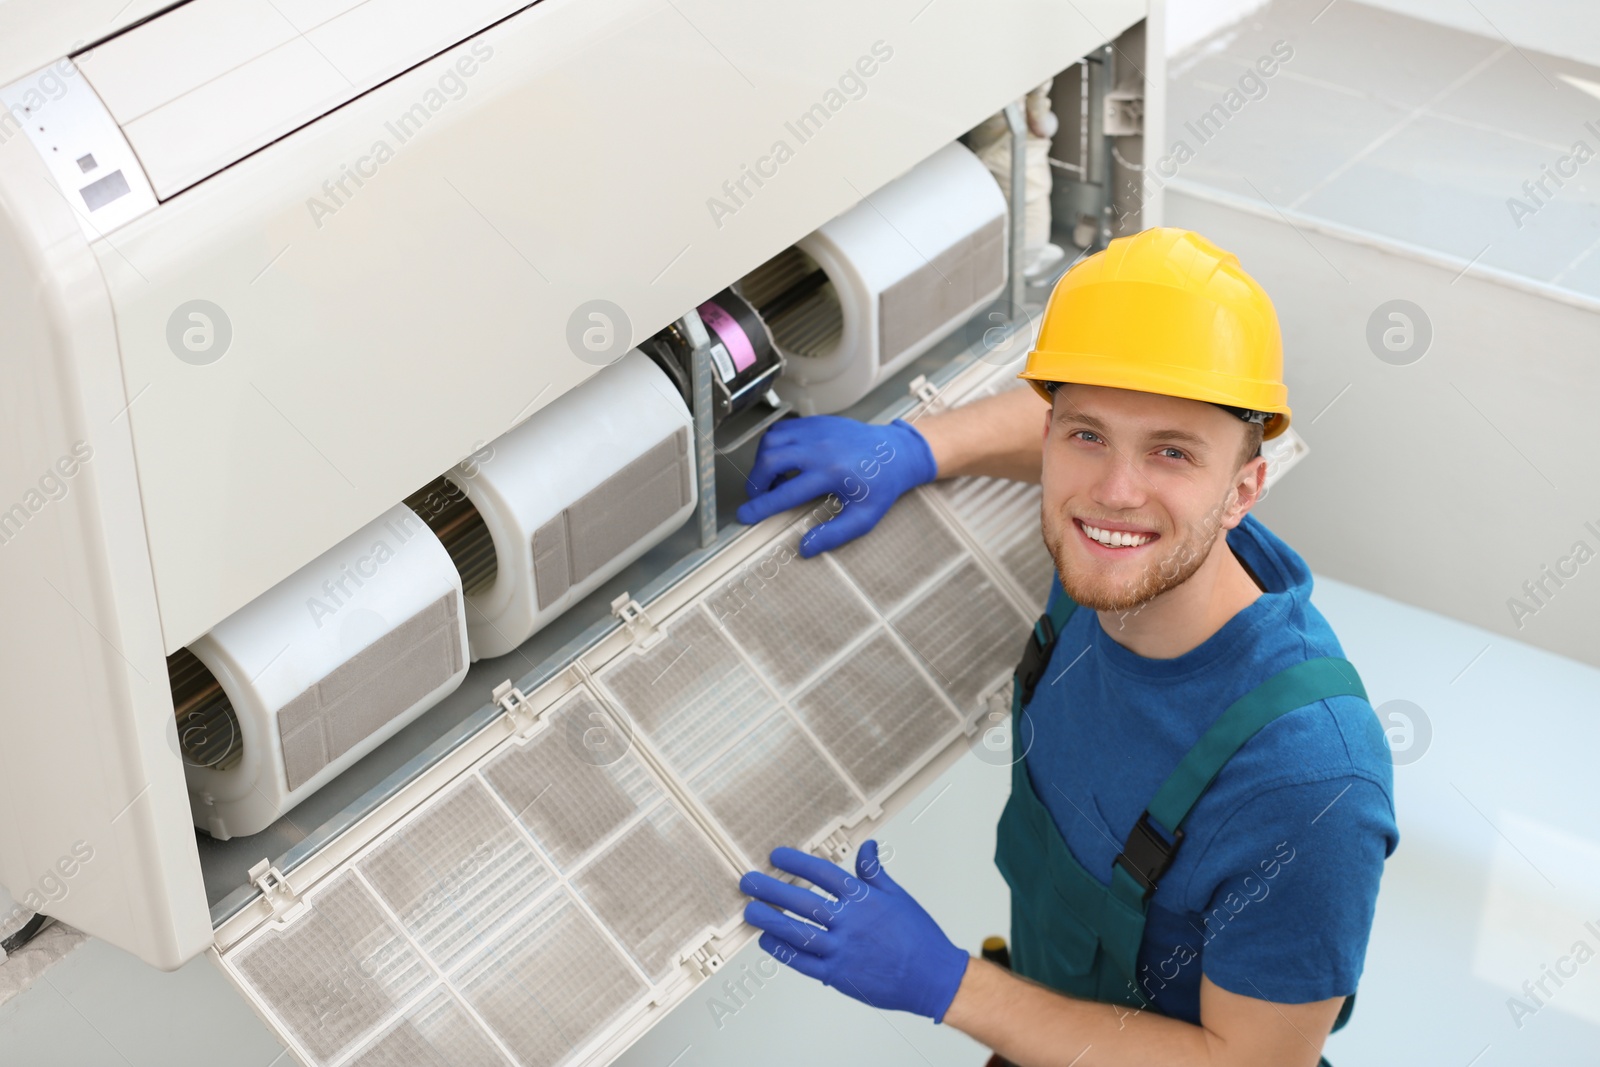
[1285, 892]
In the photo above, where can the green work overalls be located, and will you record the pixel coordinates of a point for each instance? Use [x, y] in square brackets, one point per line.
[1071, 931]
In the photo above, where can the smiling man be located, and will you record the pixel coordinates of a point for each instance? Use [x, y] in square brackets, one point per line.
[1201, 803]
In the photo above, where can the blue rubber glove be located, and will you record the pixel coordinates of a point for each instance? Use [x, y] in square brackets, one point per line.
[871, 941]
[865, 466]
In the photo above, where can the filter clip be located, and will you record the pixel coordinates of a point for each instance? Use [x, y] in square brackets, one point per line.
[643, 631]
[706, 960]
[926, 394]
[284, 901]
[837, 845]
[517, 708]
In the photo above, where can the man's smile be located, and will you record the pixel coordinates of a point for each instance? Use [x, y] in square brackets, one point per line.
[1113, 539]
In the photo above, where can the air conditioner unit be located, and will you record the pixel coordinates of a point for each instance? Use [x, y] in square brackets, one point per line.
[268, 270]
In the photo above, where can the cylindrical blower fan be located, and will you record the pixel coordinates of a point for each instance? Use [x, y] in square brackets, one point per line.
[868, 292]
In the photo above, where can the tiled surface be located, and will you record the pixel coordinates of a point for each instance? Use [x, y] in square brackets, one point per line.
[101, 1007]
[1403, 128]
[23, 967]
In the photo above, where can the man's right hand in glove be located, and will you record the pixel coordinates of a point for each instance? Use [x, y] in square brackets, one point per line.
[869, 466]
[866, 466]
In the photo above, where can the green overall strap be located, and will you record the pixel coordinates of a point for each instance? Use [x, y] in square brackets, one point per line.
[1041, 644]
[1146, 855]
[1291, 688]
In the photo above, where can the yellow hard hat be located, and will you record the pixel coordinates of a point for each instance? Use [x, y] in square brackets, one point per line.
[1165, 311]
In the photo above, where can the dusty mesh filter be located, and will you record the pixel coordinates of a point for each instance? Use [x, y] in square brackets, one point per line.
[876, 713]
[1003, 516]
[790, 614]
[908, 546]
[568, 802]
[336, 973]
[773, 788]
[798, 301]
[436, 1033]
[966, 632]
[208, 728]
[690, 693]
[459, 527]
[549, 983]
[690, 887]
[456, 874]
[571, 804]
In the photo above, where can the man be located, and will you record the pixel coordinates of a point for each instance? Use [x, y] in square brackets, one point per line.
[1202, 803]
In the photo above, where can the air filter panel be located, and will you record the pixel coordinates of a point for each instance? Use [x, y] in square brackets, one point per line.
[876, 712]
[690, 693]
[436, 1033]
[572, 870]
[455, 875]
[791, 617]
[337, 973]
[568, 797]
[550, 983]
[965, 631]
[752, 787]
[1004, 518]
[908, 547]
[689, 888]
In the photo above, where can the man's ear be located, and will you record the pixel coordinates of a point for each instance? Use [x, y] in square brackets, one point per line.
[1248, 486]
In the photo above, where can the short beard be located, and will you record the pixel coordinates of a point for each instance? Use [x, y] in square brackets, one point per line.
[1175, 567]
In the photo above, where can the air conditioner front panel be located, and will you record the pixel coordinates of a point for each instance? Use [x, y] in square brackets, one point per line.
[208, 83]
[369, 280]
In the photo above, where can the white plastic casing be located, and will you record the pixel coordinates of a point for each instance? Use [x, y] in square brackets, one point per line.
[553, 460]
[380, 329]
[939, 229]
[298, 635]
[87, 154]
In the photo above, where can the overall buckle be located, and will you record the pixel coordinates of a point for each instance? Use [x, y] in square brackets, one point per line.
[1146, 855]
[1035, 657]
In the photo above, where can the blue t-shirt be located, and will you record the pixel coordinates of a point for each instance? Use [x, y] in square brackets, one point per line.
[1272, 892]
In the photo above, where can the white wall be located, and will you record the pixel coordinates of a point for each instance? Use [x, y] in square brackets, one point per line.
[1189, 21]
[1450, 482]
[1569, 28]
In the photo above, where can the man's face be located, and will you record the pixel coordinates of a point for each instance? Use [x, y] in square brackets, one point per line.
[1137, 488]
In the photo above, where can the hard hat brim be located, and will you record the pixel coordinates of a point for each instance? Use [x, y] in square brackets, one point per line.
[1144, 379]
